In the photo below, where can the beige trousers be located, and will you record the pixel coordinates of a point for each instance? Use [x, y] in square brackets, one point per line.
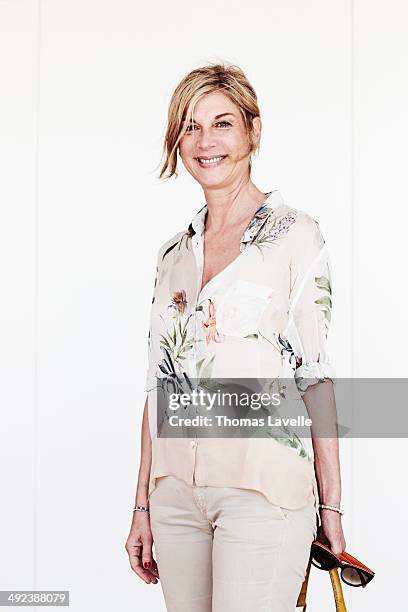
[225, 549]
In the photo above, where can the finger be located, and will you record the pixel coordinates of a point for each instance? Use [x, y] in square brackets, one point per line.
[147, 555]
[154, 579]
[154, 569]
[134, 553]
[145, 575]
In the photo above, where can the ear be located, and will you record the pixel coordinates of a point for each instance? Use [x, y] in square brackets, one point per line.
[256, 131]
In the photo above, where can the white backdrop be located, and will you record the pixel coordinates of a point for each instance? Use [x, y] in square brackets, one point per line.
[85, 86]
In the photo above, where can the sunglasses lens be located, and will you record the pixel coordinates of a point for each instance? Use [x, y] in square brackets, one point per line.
[322, 559]
[352, 577]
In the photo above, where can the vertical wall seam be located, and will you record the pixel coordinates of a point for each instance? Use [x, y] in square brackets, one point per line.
[352, 248]
[36, 300]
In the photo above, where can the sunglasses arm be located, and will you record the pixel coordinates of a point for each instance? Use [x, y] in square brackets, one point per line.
[337, 590]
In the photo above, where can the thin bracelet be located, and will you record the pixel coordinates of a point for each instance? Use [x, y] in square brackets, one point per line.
[339, 510]
[141, 509]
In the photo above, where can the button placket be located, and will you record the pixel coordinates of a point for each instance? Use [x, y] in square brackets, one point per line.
[197, 242]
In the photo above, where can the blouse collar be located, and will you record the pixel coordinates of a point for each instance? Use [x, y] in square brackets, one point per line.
[264, 212]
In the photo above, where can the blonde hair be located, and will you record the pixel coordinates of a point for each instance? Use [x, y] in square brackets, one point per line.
[231, 80]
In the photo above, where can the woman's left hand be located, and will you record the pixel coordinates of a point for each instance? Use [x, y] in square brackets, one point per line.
[331, 530]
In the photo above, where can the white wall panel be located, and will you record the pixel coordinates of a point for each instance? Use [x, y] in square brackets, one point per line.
[380, 335]
[18, 291]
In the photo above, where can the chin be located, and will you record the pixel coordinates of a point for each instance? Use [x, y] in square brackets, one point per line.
[208, 181]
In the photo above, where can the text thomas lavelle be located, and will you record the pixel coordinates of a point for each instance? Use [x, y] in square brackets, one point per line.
[209, 400]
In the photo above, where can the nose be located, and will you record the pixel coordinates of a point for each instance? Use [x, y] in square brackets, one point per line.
[205, 140]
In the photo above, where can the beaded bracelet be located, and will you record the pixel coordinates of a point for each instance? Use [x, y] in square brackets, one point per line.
[339, 510]
[141, 508]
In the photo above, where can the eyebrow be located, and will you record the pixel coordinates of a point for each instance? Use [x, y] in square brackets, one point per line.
[216, 116]
[223, 115]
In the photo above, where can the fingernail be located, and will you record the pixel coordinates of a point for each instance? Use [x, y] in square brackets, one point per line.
[147, 564]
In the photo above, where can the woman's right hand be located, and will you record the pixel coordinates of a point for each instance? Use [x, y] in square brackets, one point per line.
[139, 548]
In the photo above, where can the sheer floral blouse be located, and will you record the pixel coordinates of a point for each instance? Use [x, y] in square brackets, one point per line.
[265, 315]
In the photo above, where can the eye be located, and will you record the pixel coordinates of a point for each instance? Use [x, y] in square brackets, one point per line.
[223, 123]
[191, 128]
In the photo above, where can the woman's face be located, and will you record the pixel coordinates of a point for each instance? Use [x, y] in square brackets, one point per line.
[215, 148]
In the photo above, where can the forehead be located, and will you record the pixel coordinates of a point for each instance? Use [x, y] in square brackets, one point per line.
[212, 104]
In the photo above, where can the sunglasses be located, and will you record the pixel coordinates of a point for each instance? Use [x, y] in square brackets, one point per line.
[352, 571]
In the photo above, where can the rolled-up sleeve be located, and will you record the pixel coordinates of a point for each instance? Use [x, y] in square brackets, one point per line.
[310, 308]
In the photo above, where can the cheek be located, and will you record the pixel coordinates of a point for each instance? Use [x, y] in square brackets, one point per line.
[237, 144]
[182, 150]
[186, 146]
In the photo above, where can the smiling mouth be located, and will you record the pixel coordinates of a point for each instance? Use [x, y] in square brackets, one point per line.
[210, 162]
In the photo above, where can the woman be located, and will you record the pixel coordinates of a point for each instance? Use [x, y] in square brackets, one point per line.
[243, 292]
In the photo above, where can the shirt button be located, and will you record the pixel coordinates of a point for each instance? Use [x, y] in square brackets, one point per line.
[193, 443]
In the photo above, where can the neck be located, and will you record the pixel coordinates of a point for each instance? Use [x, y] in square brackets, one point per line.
[228, 206]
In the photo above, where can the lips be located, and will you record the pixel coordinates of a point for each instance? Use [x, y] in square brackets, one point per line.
[210, 162]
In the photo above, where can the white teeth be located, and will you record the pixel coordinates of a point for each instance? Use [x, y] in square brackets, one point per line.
[213, 160]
